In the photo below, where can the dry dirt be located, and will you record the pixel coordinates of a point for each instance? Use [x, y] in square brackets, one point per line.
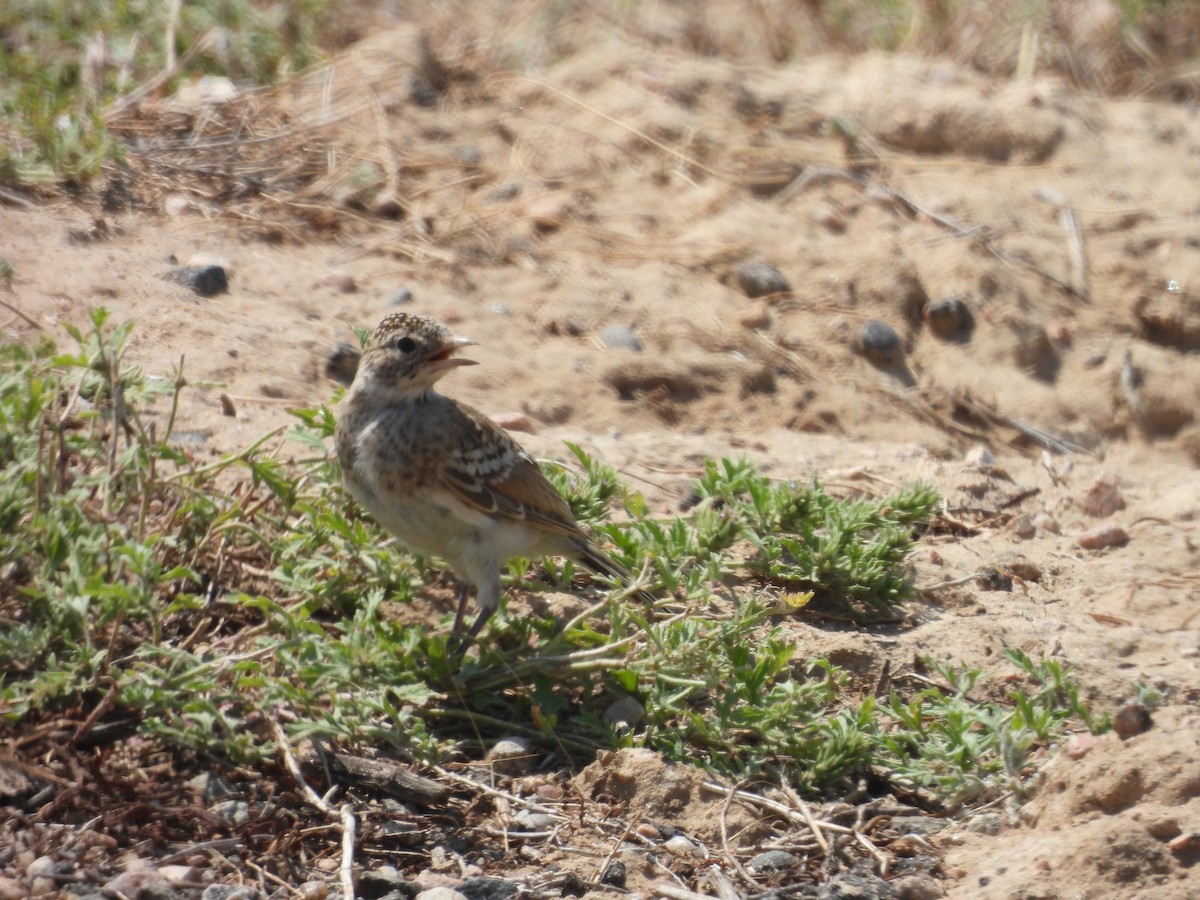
[621, 181]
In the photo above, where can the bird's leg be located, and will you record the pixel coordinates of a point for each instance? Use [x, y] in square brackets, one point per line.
[462, 609]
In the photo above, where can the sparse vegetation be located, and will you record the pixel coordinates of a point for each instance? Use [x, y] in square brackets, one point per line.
[203, 602]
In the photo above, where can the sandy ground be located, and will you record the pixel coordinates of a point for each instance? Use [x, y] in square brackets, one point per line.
[623, 183]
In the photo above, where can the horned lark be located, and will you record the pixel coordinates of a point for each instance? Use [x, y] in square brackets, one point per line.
[441, 476]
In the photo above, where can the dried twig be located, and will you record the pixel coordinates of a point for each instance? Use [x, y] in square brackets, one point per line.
[12, 309]
[729, 854]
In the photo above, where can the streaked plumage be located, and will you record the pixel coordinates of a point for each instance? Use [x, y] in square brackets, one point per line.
[441, 476]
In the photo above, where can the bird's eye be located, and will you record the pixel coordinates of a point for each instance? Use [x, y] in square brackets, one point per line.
[406, 345]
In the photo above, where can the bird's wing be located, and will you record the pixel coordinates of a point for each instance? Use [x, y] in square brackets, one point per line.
[489, 472]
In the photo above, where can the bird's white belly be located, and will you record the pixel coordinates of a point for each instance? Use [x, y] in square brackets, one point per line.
[473, 543]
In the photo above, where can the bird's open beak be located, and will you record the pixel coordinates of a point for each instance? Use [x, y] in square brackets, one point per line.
[445, 358]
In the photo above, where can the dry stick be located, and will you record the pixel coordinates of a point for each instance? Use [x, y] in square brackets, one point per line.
[813, 825]
[1076, 252]
[721, 884]
[346, 870]
[169, 38]
[495, 792]
[729, 855]
[663, 889]
[613, 852]
[12, 309]
[345, 814]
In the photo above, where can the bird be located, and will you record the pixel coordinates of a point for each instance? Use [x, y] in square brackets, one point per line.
[442, 477]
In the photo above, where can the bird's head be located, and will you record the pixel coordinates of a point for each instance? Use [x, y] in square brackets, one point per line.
[406, 354]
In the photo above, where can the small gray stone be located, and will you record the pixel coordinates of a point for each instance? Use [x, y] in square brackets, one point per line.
[402, 297]
[855, 886]
[880, 342]
[342, 363]
[773, 861]
[511, 755]
[985, 823]
[482, 887]
[528, 820]
[620, 337]
[230, 892]
[625, 711]
[760, 279]
[206, 281]
[235, 812]
[918, 887]
[614, 874]
[384, 880]
[506, 191]
[421, 92]
[211, 786]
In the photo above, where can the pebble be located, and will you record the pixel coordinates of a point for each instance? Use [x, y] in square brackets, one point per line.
[402, 297]
[421, 92]
[981, 457]
[985, 823]
[178, 204]
[614, 874]
[917, 887]
[515, 421]
[760, 279]
[1047, 522]
[180, 875]
[625, 711]
[342, 363]
[510, 755]
[1034, 353]
[146, 884]
[620, 337]
[992, 579]
[340, 280]
[313, 890]
[1186, 844]
[1023, 527]
[548, 213]
[440, 893]
[684, 848]
[528, 820]
[1102, 497]
[506, 191]
[855, 886]
[211, 786]
[1024, 569]
[1131, 718]
[1109, 535]
[949, 318]
[1080, 745]
[227, 892]
[11, 889]
[482, 887]
[382, 880]
[205, 281]
[756, 317]
[880, 342]
[773, 861]
[235, 812]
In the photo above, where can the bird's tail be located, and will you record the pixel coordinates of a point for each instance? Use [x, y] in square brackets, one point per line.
[599, 561]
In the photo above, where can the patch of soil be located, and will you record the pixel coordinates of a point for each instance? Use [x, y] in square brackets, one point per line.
[620, 179]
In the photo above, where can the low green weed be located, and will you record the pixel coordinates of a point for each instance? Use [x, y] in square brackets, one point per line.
[211, 599]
